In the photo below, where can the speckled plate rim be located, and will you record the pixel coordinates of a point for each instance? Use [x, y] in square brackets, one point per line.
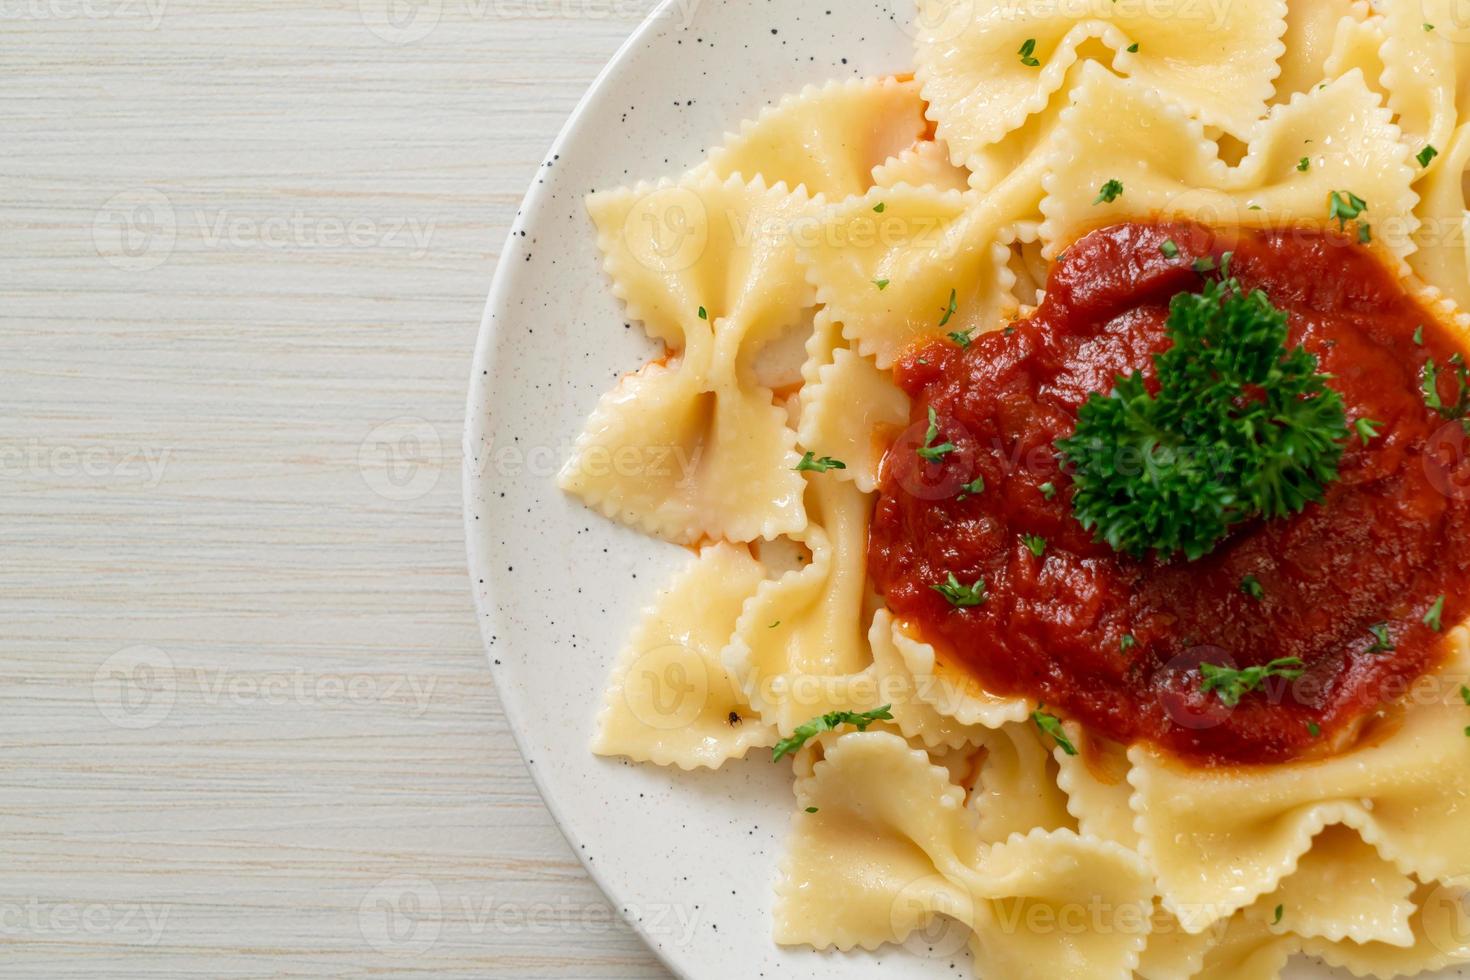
[477, 413]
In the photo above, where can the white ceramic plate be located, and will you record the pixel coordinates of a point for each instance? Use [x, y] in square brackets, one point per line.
[688, 857]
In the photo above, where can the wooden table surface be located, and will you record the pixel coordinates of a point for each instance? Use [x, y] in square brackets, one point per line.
[246, 726]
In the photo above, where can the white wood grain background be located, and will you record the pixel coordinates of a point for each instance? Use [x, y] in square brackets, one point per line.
[246, 727]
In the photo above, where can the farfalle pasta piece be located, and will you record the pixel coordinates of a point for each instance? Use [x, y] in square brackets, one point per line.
[914, 717]
[903, 264]
[950, 690]
[886, 830]
[1440, 929]
[828, 139]
[1426, 69]
[689, 454]
[925, 164]
[800, 648]
[1443, 256]
[694, 449]
[986, 67]
[849, 408]
[1342, 889]
[1313, 29]
[1095, 782]
[1117, 130]
[670, 700]
[1221, 838]
[1017, 791]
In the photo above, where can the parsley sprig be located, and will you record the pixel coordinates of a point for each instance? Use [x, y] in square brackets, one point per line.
[929, 451]
[1230, 685]
[810, 463]
[1241, 427]
[961, 596]
[827, 723]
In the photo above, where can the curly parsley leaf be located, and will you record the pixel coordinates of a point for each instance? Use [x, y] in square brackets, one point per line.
[1241, 427]
[1035, 543]
[1230, 685]
[826, 723]
[1027, 53]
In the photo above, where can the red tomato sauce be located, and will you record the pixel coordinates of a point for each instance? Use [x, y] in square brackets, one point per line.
[1390, 537]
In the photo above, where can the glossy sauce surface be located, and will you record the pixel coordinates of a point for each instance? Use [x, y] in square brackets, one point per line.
[1391, 535]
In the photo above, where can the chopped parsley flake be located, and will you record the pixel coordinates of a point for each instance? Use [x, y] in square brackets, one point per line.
[1429, 27]
[1419, 335]
[1435, 614]
[880, 207]
[1382, 642]
[1280, 911]
[1133, 48]
[1314, 729]
[1050, 724]
[1304, 164]
[962, 596]
[961, 337]
[827, 723]
[1048, 489]
[1344, 206]
[1465, 694]
[1170, 250]
[1027, 53]
[1035, 542]
[809, 462]
[882, 284]
[1109, 192]
[1426, 154]
[1365, 233]
[951, 309]
[1128, 642]
[929, 451]
[1251, 586]
[1429, 385]
[1230, 685]
[811, 809]
[972, 489]
[1203, 264]
[703, 313]
[1367, 429]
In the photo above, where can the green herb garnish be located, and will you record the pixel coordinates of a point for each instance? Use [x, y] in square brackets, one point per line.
[1429, 384]
[1127, 642]
[1231, 685]
[1050, 724]
[961, 337]
[880, 207]
[827, 723]
[951, 309]
[1133, 48]
[882, 284]
[1344, 206]
[1241, 427]
[1367, 429]
[929, 451]
[1048, 489]
[1109, 192]
[1314, 729]
[1419, 335]
[1251, 586]
[811, 809]
[1280, 911]
[1426, 154]
[1303, 165]
[1027, 53]
[1433, 617]
[1170, 250]
[1035, 542]
[809, 462]
[703, 313]
[1382, 642]
[962, 596]
[972, 489]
